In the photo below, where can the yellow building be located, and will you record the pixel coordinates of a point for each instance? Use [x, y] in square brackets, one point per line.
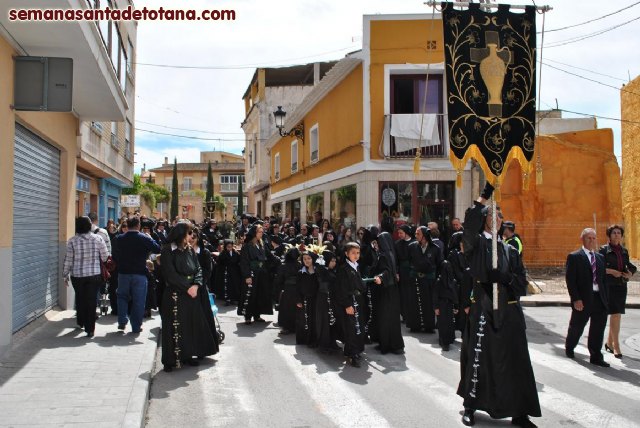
[349, 163]
[43, 158]
[631, 164]
[227, 169]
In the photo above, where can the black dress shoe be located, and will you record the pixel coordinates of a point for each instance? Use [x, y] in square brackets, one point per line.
[468, 418]
[618, 356]
[445, 347]
[90, 334]
[606, 348]
[259, 319]
[523, 421]
[192, 363]
[398, 351]
[569, 353]
[601, 363]
[168, 369]
[353, 362]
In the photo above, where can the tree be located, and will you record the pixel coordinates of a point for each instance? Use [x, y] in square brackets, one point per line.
[209, 184]
[174, 191]
[240, 209]
[135, 186]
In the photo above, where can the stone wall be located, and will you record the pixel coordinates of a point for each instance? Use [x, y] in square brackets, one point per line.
[581, 178]
[630, 107]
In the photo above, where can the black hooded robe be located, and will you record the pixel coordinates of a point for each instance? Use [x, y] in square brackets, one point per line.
[420, 314]
[496, 372]
[350, 293]
[255, 300]
[286, 284]
[307, 288]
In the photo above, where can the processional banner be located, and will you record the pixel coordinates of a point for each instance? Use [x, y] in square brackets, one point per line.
[490, 63]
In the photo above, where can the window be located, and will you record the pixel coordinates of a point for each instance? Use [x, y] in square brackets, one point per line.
[255, 153]
[203, 186]
[168, 183]
[232, 201]
[96, 127]
[82, 184]
[229, 183]
[294, 156]
[122, 67]
[343, 206]
[128, 131]
[114, 42]
[408, 92]
[276, 167]
[114, 134]
[314, 146]
[186, 184]
[129, 57]
[104, 25]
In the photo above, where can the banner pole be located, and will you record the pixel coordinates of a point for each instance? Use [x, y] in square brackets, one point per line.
[494, 249]
[433, 3]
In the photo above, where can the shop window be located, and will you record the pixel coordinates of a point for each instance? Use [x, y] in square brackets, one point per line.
[315, 203]
[343, 207]
[396, 201]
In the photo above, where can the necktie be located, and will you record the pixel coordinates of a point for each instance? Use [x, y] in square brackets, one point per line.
[593, 267]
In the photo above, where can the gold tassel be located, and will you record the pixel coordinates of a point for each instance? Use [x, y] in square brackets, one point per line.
[459, 179]
[416, 163]
[538, 164]
[538, 176]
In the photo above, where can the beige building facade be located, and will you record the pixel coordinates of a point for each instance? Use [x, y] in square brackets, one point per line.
[630, 107]
[43, 157]
[227, 171]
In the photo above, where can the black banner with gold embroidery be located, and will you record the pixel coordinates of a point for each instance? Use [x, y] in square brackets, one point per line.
[490, 63]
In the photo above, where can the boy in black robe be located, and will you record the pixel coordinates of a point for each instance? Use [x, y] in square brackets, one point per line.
[350, 302]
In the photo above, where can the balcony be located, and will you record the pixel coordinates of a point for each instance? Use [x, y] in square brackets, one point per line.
[101, 157]
[93, 76]
[394, 149]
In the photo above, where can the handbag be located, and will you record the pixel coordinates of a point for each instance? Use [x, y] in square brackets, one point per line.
[104, 271]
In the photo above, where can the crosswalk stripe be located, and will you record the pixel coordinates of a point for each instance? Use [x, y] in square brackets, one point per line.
[588, 414]
[565, 365]
[331, 394]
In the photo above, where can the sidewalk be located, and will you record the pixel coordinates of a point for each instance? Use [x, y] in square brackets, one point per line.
[546, 299]
[55, 376]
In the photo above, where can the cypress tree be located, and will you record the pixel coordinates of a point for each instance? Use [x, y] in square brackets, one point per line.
[240, 209]
[209, 195]
[174, 191]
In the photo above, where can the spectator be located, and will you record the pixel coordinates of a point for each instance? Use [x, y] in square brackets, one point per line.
[99, 231]
[133, 250]
[85, 251]
[511, 237]
[456, 225]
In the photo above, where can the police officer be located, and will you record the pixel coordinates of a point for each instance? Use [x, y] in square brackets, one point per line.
[511, 237]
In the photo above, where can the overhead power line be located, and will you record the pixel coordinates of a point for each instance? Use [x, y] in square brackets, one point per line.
[190, 137]
[587, 70]
[591, 80]
[191, 130]
[592, 20]
[590, 35]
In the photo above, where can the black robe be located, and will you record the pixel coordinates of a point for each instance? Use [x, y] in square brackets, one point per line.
[463, 279]
[226, 283]
[445, 298]
[286, 281]
[350, 293]
[424, 270]
[496, 372]
[255, 300]
[307, 288]
[406, 283]
[327, 327]
[389, 332]
[186, 329]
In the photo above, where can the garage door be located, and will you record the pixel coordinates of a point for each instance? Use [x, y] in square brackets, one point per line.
[36, 199]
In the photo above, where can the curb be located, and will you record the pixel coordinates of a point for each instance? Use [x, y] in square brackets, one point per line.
[562, 303]
[135, 416]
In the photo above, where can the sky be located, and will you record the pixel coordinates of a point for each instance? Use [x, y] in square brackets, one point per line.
[207, 103]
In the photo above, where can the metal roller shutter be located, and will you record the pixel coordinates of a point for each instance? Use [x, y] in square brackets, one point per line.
[36, 200]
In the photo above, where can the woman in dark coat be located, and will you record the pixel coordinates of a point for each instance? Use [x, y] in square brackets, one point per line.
[462, 277]
[619, 271]
[255, 287]
[307, 293]
[186, 331]
[388, 303]
[327, 327]
[286, 283]
[226, 284]
[405, 282]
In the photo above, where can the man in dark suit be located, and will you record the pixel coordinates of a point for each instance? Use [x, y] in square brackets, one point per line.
[589, 297]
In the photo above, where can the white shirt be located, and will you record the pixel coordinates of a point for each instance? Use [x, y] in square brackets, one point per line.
[588, 253]
[353, 265]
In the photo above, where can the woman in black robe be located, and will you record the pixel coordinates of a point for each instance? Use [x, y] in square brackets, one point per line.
[425, 260]
[327, 328]
[226, 284]
[368, 258]
[405, 282]
[388, 303]
[463, 279]
[255, 287]
[186, 331]
[286, 283]
[496, 372]
[307, 288]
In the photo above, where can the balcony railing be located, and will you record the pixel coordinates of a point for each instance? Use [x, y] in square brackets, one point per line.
[436, 151]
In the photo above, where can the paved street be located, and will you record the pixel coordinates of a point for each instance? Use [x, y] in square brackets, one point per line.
[262, 380]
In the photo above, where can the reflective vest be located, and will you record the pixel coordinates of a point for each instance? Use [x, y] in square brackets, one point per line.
[516, 243]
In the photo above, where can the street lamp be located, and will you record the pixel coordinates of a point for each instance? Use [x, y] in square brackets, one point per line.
[297, 131]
